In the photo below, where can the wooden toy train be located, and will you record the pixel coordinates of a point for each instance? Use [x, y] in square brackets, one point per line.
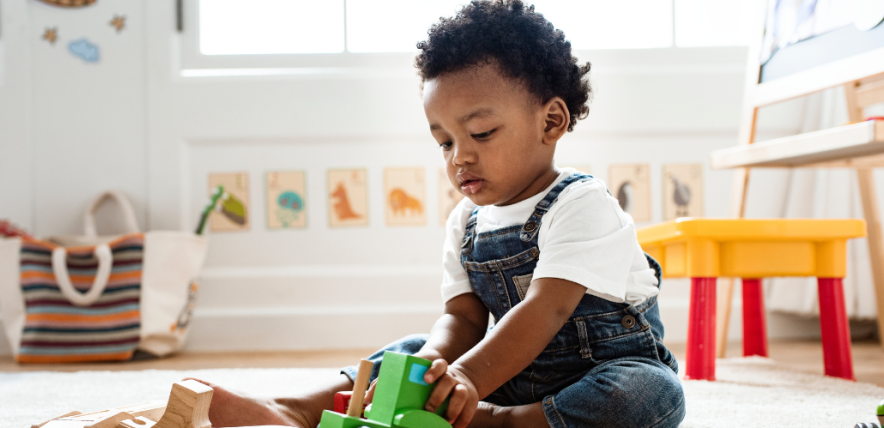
[399, 400]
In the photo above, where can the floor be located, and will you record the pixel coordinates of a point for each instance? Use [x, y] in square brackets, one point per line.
[868, 359]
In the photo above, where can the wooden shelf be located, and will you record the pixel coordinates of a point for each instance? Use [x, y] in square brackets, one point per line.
[848, 145]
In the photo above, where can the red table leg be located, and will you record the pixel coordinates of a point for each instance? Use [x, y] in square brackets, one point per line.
[754, 324]
[700, 355]
[834, 329]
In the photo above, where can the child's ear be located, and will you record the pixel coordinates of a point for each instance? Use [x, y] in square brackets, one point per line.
[556, 120]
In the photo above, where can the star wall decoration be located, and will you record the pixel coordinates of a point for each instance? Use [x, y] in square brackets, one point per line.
[51, 35]
[119, 22]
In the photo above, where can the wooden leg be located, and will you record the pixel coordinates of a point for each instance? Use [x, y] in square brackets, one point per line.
[738, 208]
[754, 324]
[700, 355]
[874, 239]
[834, 329]
[725, 300]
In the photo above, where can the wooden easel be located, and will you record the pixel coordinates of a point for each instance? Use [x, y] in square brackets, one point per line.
[859, 145]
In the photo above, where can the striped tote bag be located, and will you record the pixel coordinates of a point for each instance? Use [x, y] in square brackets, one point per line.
[71, 302]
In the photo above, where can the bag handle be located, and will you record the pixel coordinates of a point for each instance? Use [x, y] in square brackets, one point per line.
[60, 268]
[122, 202]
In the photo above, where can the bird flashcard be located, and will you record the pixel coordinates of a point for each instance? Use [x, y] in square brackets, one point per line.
[449, 196]
[348, 197]
[682, 191]
[232, 212]
[286, 198]
[405, 194]
[631, 185]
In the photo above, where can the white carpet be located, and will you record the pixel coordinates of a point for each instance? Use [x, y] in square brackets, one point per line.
[749, 392]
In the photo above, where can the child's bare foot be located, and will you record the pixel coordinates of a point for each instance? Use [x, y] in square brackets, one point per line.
[233, 409]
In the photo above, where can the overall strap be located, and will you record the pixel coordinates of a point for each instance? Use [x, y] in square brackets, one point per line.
[470, 232]
[532, 226]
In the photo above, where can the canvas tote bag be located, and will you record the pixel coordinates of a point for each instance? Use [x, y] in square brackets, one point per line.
[99, 298]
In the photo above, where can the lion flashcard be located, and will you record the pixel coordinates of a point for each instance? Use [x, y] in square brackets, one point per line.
[405, 196]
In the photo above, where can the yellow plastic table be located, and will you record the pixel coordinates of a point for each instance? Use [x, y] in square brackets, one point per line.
[751, 249]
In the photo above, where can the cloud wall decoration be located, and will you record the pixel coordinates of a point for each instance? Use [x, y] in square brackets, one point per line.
[84, 49]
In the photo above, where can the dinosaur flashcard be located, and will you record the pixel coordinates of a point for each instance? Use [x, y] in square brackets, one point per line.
[682, 191]
[631, 185]
[232, 213]
[286, 199]
[348, 197]
[405, 193]
[449, 197]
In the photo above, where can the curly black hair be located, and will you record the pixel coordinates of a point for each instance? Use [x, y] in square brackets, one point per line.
[523, 43]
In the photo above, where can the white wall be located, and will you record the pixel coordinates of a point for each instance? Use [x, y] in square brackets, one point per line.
[133, 122]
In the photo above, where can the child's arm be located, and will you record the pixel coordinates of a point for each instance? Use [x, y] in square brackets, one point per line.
[519, 337]
[459, 329]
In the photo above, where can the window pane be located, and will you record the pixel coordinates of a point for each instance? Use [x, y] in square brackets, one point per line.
[611, 24]
[231, 27]
[713, 22]
[393, 25]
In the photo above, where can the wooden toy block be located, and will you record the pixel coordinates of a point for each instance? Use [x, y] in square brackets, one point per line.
[399, 397]
[342, 402]
[188, 407]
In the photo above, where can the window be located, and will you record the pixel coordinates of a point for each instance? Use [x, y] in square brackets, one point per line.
[606, 24]
[713, 23]
[309, 36]
[236, 27]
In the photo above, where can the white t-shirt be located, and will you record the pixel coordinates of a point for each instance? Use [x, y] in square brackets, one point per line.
[584, 237]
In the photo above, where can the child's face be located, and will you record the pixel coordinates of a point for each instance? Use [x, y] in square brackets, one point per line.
[493, 134]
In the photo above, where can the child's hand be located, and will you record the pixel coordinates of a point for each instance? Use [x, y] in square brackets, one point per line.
[452, 382]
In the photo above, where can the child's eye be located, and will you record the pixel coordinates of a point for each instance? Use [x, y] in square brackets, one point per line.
[446, 145]
[483, 135]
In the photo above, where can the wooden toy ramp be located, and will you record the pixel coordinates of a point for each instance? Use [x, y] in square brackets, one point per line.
[188, 407]
[850, 56]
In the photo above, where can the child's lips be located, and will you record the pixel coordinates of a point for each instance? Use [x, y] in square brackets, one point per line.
[471, 186]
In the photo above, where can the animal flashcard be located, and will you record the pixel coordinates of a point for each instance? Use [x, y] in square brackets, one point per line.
[348, 197]
[405, 194]
[232, 212]
[682, 191]
[286, 199]
[449, 197]
[631, 185]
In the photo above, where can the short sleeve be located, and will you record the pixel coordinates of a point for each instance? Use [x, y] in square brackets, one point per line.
[454, 278]
[586, 238]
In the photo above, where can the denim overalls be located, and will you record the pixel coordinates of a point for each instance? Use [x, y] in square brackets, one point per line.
[606, 367]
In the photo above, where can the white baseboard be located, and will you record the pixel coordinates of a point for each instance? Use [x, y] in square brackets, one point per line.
[331, 307]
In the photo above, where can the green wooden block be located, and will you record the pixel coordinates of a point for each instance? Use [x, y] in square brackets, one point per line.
[336, 420]
[399, 398]
[401, 388]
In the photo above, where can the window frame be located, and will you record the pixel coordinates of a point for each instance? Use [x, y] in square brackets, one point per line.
[346, 64]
